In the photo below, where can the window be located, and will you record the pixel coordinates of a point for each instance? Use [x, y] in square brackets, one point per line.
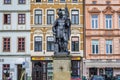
[50, 43]
[6, 71]
[94, 2]
[38, 16]
[21, 1]
[38, 43]
[109, 71]
[38, 0]
[50, 16]
[75, 43]
[62, 1]
[75, 67]
[74, 1]
[7, 1]
[7, 18]
[21, 44]
[108, 2]
[94, 21]
[6, 44]
[108, 21]
[50, 1]
[75, 17]
[95, 46]
[50, 70]
[21, 18]
[108, 46]
[119, 21]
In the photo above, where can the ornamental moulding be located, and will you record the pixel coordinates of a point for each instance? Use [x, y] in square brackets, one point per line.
[94, 10]
[108, 10]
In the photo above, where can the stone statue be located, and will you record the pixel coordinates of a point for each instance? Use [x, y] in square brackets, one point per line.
[61, 31]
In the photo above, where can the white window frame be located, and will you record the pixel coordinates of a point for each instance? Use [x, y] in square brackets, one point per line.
[119, 21]
[95, 21]
[38, 22]
[109, 44]
[75, 13]
[49, 39]
[95, 43]
[108, 24]
[39, 40]
[50, 13]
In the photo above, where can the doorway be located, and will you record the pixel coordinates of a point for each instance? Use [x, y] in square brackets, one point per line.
[92, 71]
[20, 72]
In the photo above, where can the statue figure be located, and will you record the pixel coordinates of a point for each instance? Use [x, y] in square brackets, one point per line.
[61, 31]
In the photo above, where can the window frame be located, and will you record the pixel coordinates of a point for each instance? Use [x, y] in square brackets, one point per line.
[50, 15]
[74, 1]
[38, 17]
[6, 68]
[95, 43]
[119, 21]
[40, 43]
[51, 42]
[95, 21]
[38, 1]
[109, 51]
[7, 19]
[75, 44]
[22, 18]
[21, 1]
[62, 1]
[7, 49]
[76, 16]
[94, 2]
[7, 2]
[108, 25]
[22, 43]
[73, 62]
[50, 1]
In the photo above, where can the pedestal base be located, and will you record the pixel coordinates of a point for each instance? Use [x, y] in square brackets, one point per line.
[62, 68]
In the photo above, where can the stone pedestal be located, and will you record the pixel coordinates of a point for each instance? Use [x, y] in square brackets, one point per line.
[62, 68]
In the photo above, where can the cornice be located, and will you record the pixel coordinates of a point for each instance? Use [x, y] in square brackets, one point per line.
[14, 11]
[6, 55]
[15, 30]
[102, 4]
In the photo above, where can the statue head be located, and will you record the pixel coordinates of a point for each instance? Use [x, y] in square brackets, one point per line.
[60, 14]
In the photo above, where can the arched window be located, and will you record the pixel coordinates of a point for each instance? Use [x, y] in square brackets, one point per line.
[38, 17]
[75, 17]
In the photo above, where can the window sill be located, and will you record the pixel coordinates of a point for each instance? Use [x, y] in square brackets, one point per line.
[21, 24]
[6, 51]
[20, 51]
[6, 24]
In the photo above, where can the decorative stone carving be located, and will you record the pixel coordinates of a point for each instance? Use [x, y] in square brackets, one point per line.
[94, 10]
[108, 10]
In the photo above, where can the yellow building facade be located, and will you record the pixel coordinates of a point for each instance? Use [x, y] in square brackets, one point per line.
[43, 14]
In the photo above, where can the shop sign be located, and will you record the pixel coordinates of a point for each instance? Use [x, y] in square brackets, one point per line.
[41, 58]
[76, 58]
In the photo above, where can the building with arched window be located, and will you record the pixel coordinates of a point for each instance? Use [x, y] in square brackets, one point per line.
[43, 14]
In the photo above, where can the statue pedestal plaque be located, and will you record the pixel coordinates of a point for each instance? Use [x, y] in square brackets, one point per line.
[62, 67]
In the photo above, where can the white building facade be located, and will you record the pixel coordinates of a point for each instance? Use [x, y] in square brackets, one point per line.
[15, 39]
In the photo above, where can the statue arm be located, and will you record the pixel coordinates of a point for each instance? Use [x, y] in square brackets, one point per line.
[68, 23]
[54, 27]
